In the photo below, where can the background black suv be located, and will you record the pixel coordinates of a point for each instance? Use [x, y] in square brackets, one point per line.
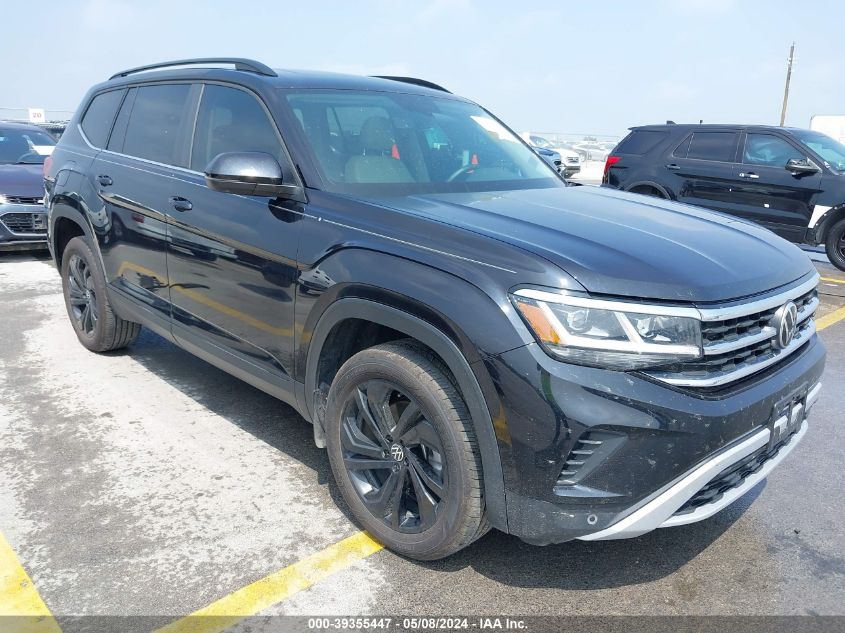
[791, 181]
[476, 343]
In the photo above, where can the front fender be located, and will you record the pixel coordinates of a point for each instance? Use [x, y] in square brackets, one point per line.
[469, 379]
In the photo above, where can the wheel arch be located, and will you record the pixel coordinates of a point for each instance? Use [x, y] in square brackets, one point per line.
[654, 185]
[412, 326]
[824, 224]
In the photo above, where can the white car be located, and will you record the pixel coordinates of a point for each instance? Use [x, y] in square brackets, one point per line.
[570, 159]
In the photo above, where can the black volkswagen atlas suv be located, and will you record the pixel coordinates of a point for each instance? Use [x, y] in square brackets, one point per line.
[475, 343]
[789, 180]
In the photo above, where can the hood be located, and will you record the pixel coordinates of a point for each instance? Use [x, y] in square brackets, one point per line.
[26, 181]
[625, 244]
[567, 152]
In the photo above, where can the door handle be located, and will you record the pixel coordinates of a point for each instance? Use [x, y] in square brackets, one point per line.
[104, 180]
[672, 166]
[749, 174]
[181, 204]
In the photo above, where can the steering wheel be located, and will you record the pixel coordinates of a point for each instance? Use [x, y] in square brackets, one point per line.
[30, 154]
[464, 169]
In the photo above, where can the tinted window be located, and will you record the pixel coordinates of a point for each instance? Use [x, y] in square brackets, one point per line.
[640, 142]
[231, 120]
[99, 116]
[718, 146]
[157, 120]
[765, 149]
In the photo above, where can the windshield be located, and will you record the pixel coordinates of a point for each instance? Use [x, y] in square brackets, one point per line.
[833, 152]
[379, 143]
[539, 141]
[24, 147]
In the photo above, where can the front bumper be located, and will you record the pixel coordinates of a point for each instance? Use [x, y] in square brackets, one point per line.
[656, 448]
[23, 227]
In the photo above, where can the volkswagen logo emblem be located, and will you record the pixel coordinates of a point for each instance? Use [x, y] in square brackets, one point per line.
[785, 322]
[397, 452]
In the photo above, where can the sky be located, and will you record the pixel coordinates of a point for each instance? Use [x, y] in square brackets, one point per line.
[569, 67]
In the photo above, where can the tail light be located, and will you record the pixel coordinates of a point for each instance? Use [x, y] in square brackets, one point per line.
[48, 162]
[610, 162]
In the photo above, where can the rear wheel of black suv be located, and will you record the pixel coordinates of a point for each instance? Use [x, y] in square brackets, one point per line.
[404, 453]
[97, 327]
[834, 245]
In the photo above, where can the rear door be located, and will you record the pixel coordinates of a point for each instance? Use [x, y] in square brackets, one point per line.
[133, 178]
[701, 168]
[769, 194]
[232, 258]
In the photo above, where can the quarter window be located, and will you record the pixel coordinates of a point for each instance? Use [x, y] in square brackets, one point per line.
[765, 149]
[640, 142]
[717, 146]
[231, 120]
[157, 123]
[99, 116]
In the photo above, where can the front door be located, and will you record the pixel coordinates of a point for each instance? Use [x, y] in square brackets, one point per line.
[231, 258]
[768, 193]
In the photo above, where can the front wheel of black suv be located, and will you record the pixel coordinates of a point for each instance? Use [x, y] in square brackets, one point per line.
[834, 245]
[97, 327]
[404, 453]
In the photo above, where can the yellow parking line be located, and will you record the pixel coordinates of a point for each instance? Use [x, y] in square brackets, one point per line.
[829, 319]
[278, 586]
[833, 280]
[19, 598]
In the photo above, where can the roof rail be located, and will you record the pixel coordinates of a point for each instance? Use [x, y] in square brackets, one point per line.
[413, 80]
[239, 63]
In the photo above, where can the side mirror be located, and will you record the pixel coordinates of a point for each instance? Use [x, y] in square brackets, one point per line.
[801, 166]
[248, 174]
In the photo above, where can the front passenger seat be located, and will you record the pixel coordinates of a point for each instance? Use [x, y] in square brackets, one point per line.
[376, 165]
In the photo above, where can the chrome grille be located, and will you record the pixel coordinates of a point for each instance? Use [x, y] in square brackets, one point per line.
[738, 343]
[24, 200]
[572, 160]
[25, 223]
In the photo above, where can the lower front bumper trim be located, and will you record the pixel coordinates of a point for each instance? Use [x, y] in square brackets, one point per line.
[660, 511]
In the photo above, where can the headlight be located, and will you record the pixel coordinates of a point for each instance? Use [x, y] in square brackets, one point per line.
[612, 334]
[3, 199]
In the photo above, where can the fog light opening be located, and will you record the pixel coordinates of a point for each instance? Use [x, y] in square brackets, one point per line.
[592, 519]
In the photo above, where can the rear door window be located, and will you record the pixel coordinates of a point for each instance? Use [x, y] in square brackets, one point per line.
[715, 146]
[158, 122]
[98, 118]
[640, 142]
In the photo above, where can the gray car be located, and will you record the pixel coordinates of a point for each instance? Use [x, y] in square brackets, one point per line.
[23, 149]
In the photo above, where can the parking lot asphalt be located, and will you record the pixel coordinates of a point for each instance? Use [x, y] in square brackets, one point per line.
[147, 482]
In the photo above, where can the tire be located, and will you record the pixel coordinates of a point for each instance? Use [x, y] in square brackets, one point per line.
[96, 325]
[424, 499]
[834, 244]
[648, 191]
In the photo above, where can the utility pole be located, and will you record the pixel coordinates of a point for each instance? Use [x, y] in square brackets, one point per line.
[786, 88]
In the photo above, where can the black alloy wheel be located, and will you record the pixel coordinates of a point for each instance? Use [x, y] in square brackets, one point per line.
[403, 450]
[82, 295]
[393, 456]
[96, 325]
[835, 244]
